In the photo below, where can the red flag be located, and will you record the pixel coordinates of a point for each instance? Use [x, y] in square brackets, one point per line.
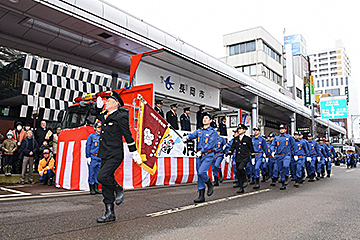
[152, 128]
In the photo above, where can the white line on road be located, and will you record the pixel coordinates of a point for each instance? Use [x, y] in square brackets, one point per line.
[18, 193]
[350, 170]
[180, 209]
[65, 193]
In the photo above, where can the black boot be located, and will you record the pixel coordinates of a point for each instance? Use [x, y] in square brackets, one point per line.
[210, 189]
[318, 176]
[109, 214]
[221, 176]
[92, 189]
[257, 185]
[322, 175]
[267, 176]
[6, 170]
[312, 178]
[245, 184]
[236, 184]
[283, 186]
[201, 197]
[119, 195]
[273, 182]
[97, 191]
[297, 183]
[328, 173]
[286, 180]
[241, 190]
[50, 182]
[216, 181]
[263, 178]
[252, 181]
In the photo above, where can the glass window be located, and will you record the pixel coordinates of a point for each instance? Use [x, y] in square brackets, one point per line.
[332, 82]
[250, 46]
[234, 49]
[346, 80]
[253, 70]
[247, 70]
[337, 81]
[318, 83]
[242, 48]
[322, 83]
[333, 92]
[342, 81]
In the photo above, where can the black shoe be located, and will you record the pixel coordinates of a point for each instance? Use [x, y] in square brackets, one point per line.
[216, 181]
[201, 197]
[237, 185]
[109, 214]
[252, 181]
[297, 183]
[318, 176]
[92, 189]
[210, 189]
[283, 186]
[241, 190]
[45, 182]
[50, 182]
[328, 174]
[312, 178]
[97, 191]
[257, 185]
[245, 184]
[273, 182]
[263, 178]
[119, 195]
[221, 177]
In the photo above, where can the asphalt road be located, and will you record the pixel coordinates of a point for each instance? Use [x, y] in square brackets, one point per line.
[326, 209]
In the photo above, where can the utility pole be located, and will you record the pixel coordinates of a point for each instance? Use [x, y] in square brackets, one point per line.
[313, 129]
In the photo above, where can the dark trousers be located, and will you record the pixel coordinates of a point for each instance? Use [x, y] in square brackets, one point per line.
[8, 159]
[107, 178]
[241, 173]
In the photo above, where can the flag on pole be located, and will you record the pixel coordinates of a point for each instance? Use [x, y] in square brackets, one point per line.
[152, 129]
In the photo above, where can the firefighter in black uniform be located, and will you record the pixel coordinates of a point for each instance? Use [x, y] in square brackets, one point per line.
[244, 149]
[171, 116]
[115, 126]
[158, 107]
[185, 120]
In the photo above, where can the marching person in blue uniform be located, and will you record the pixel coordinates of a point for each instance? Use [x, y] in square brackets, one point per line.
[244, 150]
[321, 159]
[185, 120]
[282, 148]
[299, 153]
[206, 143]
[272, 164]
[94, 162]
[312, 157]
[331, 156]
[260, 147]
[219, 156]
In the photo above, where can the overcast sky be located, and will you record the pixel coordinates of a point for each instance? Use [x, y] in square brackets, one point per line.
[203, 23]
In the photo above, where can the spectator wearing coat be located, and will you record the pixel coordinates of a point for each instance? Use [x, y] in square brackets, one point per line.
[29, 148]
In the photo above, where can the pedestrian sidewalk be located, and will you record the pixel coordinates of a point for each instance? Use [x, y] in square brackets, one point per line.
[15, 178]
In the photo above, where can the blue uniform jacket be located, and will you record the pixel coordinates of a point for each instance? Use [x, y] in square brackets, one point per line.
[206, 139]
[220, 143]
[227, 147]
[322, 150]
[269, 150]
[300, 148]
[313, 149]
[92, 145]
[283, 144]
[260, 145]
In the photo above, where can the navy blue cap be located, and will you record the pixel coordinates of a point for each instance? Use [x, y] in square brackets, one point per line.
[114, 95]
[271, 135]
[242, 126]
[282, 126]
[256, 128]
[207, 114]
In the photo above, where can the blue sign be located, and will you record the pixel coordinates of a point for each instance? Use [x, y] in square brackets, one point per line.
[169, 84]
[333, 109]
[298, 44]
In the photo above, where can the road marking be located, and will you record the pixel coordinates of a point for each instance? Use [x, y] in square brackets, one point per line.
[193, 206]
[65, 193]
[18, 193]
[350, 170]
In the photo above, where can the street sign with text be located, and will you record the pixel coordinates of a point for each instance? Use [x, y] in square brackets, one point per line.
[333, 107]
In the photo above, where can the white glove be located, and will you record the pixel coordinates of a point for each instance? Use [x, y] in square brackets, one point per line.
[137, 158]
[319, 159]
[308, 159]
[296, 158]
[252, 161]
[267, 160]
[264, 155]
[99, 102]
[184, 139]
[227, 159]
[224, 147]
[88, 161]
[198, 154]
[263, 160]
[42, 173]
[273, 154]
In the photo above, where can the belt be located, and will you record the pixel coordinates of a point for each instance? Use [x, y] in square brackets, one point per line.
[95, 154]
[280, 154]
[218, 153]
[207, 153]
[300, 156]
[257, 153]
